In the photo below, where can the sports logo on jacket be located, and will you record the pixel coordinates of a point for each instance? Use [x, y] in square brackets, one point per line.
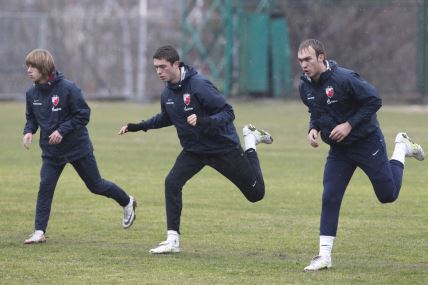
[186, 98]
[55, 102]
[329, 91]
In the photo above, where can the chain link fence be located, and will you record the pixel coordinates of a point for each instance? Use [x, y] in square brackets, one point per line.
[98, 43]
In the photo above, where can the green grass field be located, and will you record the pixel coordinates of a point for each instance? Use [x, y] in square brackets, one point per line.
[225, 239]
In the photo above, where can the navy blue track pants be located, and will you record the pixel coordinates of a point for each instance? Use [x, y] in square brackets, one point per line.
[87, 169]
[371, 156]
[241, 168]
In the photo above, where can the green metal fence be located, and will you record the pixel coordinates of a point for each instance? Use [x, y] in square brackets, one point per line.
[423, 51]
[243, 45]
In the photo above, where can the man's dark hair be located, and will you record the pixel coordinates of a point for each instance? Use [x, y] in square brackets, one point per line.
[168, 53]
[317, 45]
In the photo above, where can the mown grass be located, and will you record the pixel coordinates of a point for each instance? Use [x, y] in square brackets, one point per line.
[225, 239]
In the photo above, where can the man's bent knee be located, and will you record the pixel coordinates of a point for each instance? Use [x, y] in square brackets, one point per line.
[387, 199]
[255, 194]
[255, 199]
[172, 184]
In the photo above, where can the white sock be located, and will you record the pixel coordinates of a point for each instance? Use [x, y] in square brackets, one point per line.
[250, 141]
[172, 236]
[399, 152]
[326, 245]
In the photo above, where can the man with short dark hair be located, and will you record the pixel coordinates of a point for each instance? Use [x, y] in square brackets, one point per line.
[204, 124]
[343, 110]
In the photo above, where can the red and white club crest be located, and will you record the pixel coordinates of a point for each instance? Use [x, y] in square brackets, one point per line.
[186, 99]
[329, 91]
[55, 100]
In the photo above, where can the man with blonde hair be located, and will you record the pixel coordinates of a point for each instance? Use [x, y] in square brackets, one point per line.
[57, 107]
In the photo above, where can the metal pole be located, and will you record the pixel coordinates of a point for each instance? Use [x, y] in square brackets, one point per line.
[422, 51]
[425, 52]
[142, 48]
[228, 49]
[43, 31]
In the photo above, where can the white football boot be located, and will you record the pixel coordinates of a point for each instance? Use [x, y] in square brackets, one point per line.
[318, 263]
[171, 245]
[129, 213]
[36, 237]
[260, 135]
[412, 149]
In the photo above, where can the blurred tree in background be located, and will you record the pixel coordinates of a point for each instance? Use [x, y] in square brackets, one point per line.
[97, 43]
[378, 39]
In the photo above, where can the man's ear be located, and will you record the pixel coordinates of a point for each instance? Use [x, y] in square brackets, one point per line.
[321, 57]
[176, 64]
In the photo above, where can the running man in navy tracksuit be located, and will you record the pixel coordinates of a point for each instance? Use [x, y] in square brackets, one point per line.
[204, 124]
[56, 106]
[343, 110]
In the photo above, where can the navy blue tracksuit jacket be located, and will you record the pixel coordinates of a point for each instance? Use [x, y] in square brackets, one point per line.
[214, 133]
[59, 105]
[341, 95]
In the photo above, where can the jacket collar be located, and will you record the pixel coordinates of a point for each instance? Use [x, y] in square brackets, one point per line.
[186, 72]
[330, 67]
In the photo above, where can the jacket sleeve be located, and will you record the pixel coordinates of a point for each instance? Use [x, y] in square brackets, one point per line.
[367, 97]
[79, 111]
[31, 124]
[219, 113]
[312, 123]
[158, 121]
